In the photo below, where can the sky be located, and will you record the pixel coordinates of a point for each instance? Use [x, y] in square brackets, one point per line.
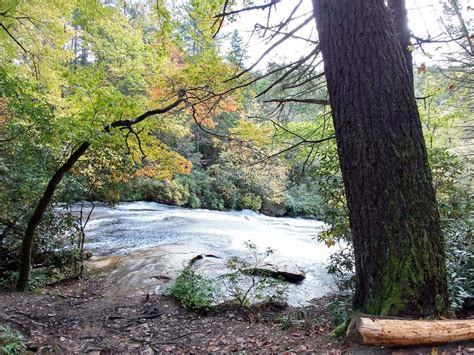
[423, 20]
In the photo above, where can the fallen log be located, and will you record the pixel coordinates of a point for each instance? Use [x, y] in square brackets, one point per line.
[366, 330]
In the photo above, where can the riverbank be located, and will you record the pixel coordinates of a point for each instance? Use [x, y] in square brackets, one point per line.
[76, 317]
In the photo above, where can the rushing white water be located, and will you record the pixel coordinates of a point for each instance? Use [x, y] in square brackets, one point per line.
[140, 225]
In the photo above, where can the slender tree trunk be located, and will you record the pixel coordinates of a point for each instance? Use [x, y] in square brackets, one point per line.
[27, 243]
[35, 219]
[398, 246]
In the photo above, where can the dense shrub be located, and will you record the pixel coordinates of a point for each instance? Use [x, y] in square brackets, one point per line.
[148, 189]
[204, 191]
[219, 189]
[197, 190]
[250, 201]
[55, 252]
[192, 291]
[454, 194]
[304, 200]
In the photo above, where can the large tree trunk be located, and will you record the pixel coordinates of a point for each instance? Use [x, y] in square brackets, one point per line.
[27, 243]
[398, 246]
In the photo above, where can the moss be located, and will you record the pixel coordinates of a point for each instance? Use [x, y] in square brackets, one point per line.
[398, 287]
[341, 329]
[402, 276]
[440, 304]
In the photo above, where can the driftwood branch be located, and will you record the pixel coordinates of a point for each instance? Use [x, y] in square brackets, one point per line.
[367, 330]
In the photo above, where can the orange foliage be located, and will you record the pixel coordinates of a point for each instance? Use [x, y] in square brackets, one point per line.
[3, 112]
[157, 93]
[146, 171]
[206, 111]
[177, 58]
[203, 115]
[422, 68]
[156, 170]
[181, 74]
[229, 105]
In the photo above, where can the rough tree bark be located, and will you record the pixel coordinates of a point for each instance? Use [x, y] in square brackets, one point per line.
[399, 17]
[35, 219]
[398, 246]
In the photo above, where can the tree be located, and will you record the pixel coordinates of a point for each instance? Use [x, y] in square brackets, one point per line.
[100, 82]
[398, 245]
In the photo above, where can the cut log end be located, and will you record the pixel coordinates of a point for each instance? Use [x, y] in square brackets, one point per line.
[367, 330]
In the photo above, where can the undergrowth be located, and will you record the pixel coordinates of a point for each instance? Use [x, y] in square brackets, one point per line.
[192, 291]
[11, 341]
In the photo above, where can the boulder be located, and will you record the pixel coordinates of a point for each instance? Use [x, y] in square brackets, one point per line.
[147, 270]
[286, 271]
[273, 209]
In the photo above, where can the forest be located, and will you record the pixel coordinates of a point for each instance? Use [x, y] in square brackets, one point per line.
[236, 176]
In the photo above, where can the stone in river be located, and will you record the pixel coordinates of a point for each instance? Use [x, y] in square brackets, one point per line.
[284, 270]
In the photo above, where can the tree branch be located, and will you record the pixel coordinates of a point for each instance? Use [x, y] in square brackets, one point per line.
[158, 111]
[273, 46]
[250, 8]
[306, 101]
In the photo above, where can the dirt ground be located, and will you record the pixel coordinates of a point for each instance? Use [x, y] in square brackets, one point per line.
[75, 317]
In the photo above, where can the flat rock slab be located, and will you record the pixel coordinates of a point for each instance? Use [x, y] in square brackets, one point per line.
[284, 270]
[148, 270]
[144, 270]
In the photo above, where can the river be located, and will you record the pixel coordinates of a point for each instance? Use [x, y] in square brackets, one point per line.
[133, 226]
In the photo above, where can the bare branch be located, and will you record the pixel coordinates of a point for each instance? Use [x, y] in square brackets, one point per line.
[250, 8]
[27, 53]
[204, 129]
[295, 85]
[420, 40]
[158, 111]
[272, 47]
[297, 145]
[306, 101]
[295, 67]
[220, 20]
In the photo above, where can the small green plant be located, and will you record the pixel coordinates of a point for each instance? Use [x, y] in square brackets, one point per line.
[38, 279]
[250, 201]
[11, 341]
[341, 310]
[284, 321]
[193, 291]
[248, 282]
